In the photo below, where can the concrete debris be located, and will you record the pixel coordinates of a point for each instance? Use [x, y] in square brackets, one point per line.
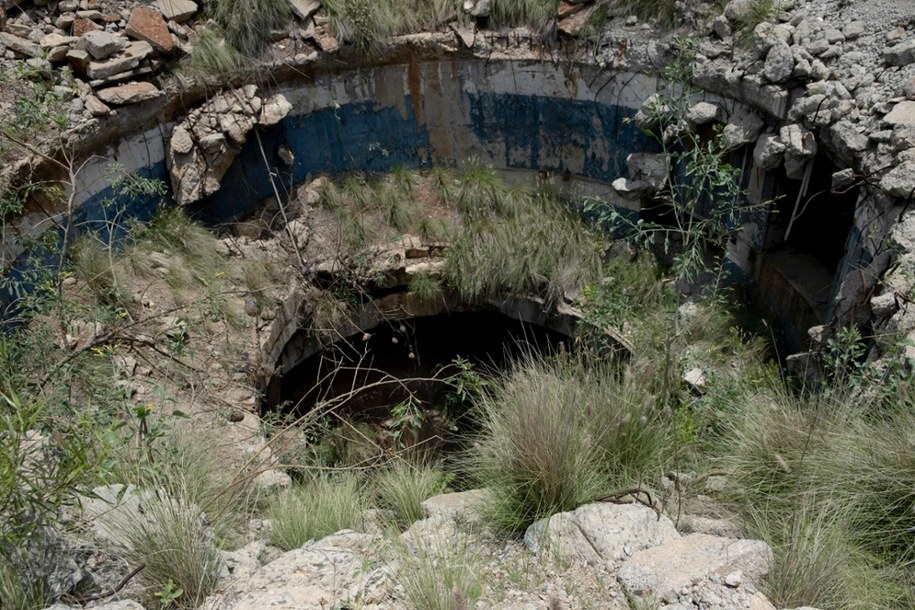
[101, 44]
[703, 113]
[176, 10]
[769, 152]
[204, 145]
[800, 148]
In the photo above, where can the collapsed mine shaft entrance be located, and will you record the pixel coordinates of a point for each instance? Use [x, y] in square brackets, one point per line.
[806, 240]
[399, 382]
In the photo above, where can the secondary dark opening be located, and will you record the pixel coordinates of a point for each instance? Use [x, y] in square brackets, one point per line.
[798, 268]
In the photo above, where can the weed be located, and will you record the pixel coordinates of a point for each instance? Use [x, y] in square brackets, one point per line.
[315, 509]
[425, 287]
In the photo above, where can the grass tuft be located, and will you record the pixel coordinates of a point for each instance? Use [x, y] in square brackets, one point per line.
[425, 287]
[402, 487]
[557, 434]
[540, 248]
[173, 541]
[247, 23]
[213, 56]
[320, 507]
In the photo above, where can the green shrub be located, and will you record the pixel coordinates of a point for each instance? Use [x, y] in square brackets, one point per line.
[315, 509]
[402, 487]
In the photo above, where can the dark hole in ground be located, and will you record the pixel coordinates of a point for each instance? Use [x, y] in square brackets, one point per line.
[412, 352]
[798, 268]
[489, 340]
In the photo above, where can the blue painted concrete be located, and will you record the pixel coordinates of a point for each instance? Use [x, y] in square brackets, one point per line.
[538, 132]
[352, 138]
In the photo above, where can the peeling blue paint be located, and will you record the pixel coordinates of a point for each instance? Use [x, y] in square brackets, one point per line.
[355, 137]
[539, 133]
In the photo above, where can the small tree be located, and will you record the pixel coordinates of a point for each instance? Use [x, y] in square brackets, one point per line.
[701, 194]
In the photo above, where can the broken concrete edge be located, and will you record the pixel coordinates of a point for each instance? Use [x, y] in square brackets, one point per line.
[181, 94]
[283, 344]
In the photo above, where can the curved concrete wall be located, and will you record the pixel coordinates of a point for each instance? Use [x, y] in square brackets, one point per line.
[525, 115]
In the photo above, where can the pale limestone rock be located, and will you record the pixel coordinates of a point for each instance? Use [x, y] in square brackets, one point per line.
[275, 110]
[779, 62]
[303, 9]
[769, 152]
[181, 142]
[101, 44]
[900, 181]
[800, 148]
[663, 571]
[902, 113]
[20, 46]
[884, 305]
[703, 113]
[600, 533]
[131, 93]
[320, 575]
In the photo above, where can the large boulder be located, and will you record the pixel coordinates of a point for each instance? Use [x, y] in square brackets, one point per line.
[600, 533]
[698, 562]
[317, 576]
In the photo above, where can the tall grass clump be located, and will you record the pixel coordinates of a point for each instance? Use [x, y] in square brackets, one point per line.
[366, 24]
[315, 509]
[557, 434]
[519, 244]
[402, 487]
[828, 481]
[425, 287]
[538, 15]
[214, 56]
[247, 23]
[173, 541]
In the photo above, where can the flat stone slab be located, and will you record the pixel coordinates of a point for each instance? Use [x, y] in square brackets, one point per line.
[902, 113]
[176, 10]
[663, 571]
[131, 93]
[20, 46]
